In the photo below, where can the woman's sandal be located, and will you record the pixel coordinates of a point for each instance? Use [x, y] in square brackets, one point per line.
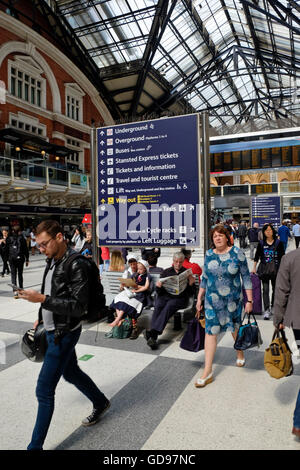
[240, 362]
[202, 382]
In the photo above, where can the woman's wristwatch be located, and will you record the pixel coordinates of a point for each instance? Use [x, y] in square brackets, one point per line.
[249, 301]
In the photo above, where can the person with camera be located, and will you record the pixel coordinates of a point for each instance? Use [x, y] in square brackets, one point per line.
[64, 300]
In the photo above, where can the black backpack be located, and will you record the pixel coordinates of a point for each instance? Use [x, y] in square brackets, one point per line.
[96, 308]
[14, 249]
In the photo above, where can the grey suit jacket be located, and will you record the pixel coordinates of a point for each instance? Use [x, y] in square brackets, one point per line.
[287, 291]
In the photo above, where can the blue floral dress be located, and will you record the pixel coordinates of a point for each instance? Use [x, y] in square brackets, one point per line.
[221, 279]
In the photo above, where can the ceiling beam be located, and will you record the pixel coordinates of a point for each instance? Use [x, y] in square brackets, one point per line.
[158, 27]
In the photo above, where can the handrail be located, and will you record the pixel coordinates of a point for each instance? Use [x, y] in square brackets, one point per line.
[45, 173]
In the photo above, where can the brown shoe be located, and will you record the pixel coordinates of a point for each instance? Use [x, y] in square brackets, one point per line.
[296, 431]
[134, 333]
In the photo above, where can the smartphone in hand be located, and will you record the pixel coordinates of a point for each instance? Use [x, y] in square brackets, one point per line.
[14, 287]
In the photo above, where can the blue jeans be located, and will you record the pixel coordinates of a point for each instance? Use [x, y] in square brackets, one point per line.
[297, 413]
[104, 266]
[60, 360]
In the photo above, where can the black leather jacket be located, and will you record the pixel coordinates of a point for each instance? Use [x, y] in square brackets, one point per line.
[69, 294]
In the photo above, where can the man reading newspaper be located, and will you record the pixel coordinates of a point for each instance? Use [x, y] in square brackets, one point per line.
[174, 288]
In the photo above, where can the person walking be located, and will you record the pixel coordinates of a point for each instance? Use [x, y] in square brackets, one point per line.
[33, 241]
[242, 233]
[253, 239]
[78, 239]
[269, 250]
[18, 254]
[63, 304]
[221, 290]
[4, 252]
[284, 234]
[296, 233]
[105, 255]
[286, 309]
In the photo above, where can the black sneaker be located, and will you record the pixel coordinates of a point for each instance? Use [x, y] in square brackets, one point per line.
[152, 343]
[96, 414]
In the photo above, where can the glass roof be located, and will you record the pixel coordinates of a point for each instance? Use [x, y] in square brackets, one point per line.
[238, 59]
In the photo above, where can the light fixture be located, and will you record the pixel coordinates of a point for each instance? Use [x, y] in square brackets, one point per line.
[18, 149]
[57, 158]
[43, 153]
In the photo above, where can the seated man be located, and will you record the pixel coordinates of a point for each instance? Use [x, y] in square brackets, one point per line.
[167, 304]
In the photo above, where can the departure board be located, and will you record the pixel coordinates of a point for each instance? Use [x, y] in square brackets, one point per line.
[215, 191]
[237, 189]
[218, 162]
[265, 158]
[246, 159]
[264, 188]
[236, 160]
[296, 155]
[227, 161]
[255, 158]
[286, 156]
[276, 156]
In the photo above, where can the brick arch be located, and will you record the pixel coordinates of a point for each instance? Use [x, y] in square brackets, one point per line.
[29, 49]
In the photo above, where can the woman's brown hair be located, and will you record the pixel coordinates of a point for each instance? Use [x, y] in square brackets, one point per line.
[220, 229]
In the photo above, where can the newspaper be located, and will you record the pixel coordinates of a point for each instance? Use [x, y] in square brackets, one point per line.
[175, 285]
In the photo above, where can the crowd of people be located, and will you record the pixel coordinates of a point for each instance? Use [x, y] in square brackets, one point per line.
[225, 274]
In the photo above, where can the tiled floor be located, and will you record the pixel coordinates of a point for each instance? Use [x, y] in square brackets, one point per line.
[154, 402]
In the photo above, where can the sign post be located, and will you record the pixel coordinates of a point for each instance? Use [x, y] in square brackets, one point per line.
[148, 176]
[94, 192]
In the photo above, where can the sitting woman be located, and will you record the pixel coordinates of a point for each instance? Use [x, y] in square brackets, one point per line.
[131, 301]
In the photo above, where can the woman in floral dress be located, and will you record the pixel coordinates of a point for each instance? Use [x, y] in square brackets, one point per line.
[221, 289]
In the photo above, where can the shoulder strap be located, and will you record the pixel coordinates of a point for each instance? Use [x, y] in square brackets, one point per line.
[69, 261]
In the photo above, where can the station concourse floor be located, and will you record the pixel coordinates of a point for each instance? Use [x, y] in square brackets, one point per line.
[155, 405]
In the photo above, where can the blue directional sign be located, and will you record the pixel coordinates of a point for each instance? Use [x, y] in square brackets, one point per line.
[148, 182]
[265, 210]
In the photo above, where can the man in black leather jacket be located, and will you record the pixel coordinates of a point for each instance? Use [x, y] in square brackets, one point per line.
[64, 300]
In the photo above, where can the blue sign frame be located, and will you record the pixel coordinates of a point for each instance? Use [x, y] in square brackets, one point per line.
[266, 210]
[148, 177]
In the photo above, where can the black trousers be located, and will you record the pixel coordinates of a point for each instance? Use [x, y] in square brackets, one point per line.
[165, 307]
[16, 268]
[297, 240]
[5, 265]
[266, 293]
